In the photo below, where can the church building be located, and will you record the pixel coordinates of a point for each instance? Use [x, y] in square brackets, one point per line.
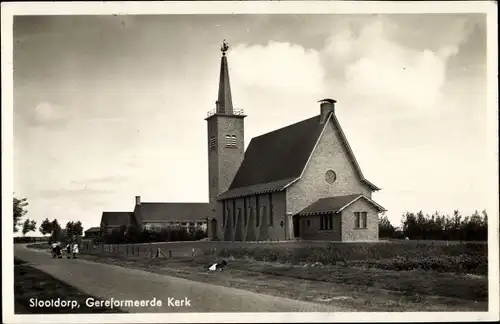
[299, 181]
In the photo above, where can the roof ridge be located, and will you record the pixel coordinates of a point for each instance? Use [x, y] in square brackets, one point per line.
[174, 202]
[117, 211]
[285, 127]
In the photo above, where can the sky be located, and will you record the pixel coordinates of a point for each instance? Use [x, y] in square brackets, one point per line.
[110, 107]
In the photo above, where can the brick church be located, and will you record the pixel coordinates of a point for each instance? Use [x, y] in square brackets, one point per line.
[299, 181]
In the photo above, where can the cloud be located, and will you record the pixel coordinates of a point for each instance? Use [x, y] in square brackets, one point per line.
[46, 113]
[278, 67]
[102, 180]
[375, 66]
[77, 192]
[365, 60]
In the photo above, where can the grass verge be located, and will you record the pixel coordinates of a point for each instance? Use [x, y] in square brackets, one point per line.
[359, 289]
[31, 284]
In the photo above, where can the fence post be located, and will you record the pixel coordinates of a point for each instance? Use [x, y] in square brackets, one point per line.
[169, 253]
[192, 254]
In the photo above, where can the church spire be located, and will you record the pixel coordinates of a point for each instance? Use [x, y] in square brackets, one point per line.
[224, 104]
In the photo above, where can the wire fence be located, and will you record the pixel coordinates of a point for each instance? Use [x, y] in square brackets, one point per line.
[182, 249]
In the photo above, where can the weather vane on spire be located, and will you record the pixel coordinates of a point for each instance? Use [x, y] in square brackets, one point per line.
[224, 47]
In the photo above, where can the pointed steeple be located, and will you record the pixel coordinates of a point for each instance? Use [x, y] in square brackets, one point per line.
[224, 104]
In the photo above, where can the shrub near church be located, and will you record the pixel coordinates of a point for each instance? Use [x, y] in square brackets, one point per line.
[133, 234]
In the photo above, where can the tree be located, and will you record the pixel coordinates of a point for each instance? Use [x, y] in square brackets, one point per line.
[385, 228]
[29, 226]
[57, 233]
[19, 211]
[74, 230]
[77, 228]
[46, 227]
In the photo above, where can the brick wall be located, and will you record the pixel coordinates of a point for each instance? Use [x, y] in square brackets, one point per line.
[330, 153]
[223, 162]
[310, 228]
[349, 232]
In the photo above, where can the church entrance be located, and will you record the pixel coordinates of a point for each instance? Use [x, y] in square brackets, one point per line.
[213, 228]
[296, 226]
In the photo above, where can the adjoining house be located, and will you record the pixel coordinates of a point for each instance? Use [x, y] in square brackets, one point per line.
[92, 232]
[300, 181]
[158, 215]
[114, 220]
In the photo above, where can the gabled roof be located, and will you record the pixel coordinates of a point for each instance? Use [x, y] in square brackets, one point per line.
[93, 230]
[111, 219]
[282, 155]
[335, 204]
[351, 155]
[163, 212]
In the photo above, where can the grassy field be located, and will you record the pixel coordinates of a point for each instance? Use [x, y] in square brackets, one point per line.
[469, 258]
[355, 288]
[31, 283]
[389, 276]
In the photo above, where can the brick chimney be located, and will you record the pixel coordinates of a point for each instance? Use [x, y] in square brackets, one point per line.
[327, 107]
[137, 200]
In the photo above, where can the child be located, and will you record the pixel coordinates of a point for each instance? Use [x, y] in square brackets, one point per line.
[54, 250]
[75, 250]
[68, 250]
[58, 250]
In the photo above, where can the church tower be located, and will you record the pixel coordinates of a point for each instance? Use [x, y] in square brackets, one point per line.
[225, 142]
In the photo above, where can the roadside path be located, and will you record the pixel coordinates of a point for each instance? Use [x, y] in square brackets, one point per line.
[110, 281]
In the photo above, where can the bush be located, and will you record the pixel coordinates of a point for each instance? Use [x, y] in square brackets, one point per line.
[461, 258]
[137, 235]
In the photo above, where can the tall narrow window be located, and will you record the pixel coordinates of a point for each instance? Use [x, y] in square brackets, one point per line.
[271, 211]
[238, 216]
[364, 218]
[250, 212]
[223, 213]
[264, 213]
[356, 220]
[245, 211]
[257, 211]
[321, 223]
[234, 212]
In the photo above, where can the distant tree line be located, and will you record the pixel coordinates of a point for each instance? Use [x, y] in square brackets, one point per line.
[134, 234]
[71, 233]
[20, 210]
[422, 226]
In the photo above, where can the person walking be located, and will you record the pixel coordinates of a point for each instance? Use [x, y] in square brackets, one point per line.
[68, 250]
[54, 249]
[58, 250]
[75, 250]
